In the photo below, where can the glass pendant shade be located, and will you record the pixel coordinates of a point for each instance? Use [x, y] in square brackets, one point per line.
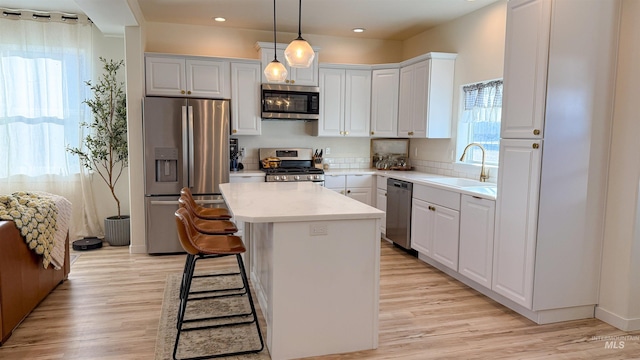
[275, 71]
[299, 53]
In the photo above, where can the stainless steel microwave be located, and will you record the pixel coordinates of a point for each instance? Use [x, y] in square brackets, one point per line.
[292, 102]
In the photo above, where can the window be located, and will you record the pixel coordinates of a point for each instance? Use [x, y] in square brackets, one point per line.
[480, 115]
[43, 67]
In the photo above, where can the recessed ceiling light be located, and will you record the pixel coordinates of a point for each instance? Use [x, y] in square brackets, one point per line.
[219, 19]
[358, 30]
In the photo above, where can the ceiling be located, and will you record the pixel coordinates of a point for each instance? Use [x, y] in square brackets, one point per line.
[382, 19]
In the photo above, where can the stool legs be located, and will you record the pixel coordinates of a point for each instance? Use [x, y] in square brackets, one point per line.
[184, 298]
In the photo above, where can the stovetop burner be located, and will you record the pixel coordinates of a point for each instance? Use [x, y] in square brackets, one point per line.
[294, 170]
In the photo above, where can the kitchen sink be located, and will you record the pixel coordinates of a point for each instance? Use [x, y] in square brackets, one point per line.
[460, 182]
[486, 190]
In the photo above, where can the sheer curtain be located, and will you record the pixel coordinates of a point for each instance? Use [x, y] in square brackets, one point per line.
[44, 63]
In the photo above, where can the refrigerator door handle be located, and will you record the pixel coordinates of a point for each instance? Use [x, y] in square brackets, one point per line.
[185, 150]
[164, 202]
[205, 202]
[191, 162]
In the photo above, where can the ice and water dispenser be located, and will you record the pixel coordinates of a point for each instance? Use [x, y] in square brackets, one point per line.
[166, 164]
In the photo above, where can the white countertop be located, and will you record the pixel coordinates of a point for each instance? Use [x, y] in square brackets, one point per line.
[295, 201]
[484, 190]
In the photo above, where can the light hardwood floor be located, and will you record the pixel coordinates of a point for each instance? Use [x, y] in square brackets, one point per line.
[110, 307]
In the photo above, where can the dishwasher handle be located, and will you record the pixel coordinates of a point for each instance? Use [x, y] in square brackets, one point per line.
[398, 184]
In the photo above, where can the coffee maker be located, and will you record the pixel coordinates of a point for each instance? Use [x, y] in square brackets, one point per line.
[233, 153]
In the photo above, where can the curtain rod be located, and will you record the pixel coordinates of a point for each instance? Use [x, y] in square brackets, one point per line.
[24, 14]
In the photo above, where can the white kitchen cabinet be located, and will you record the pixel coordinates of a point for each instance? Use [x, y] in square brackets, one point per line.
[245, 101]
[551, 198]
[187, 76]
[517, 216]
[426, 96]
[435, 223]
[477, 220]
[345, 102]
[525, 68]
[357, 187]
[381, 200]
[295, 76]
[385, 87]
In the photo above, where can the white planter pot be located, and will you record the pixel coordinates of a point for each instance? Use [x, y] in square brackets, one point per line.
[116, 230]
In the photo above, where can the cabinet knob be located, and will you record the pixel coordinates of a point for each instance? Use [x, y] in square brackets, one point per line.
[293, 81]
[182, 91]
[536, 145]
[346, 133]
[372, 133]
[348, 191]
[410, 133]
[287, 81]
[432, 208]
[234, 131]
[189, 92]
[536, 132]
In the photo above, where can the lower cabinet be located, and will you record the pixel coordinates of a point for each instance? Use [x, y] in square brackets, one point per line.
[476, 239]
[357, 187]
[381, 200]
[435, 222]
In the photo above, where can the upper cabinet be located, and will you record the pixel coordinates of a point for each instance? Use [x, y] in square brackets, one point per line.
[245, 100]
[345, 101]
[295, 76]
[426, 96]
[384, 102]
[525, 69]
[168, 75]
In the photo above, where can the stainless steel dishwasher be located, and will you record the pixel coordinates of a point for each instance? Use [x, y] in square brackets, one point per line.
[399, 212]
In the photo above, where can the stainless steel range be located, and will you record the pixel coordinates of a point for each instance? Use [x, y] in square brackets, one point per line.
[290, 165]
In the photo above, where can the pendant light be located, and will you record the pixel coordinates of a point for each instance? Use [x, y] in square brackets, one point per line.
[299, 53]
[275, 71]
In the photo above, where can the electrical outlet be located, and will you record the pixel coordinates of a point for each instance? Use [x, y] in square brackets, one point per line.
[327, 151]
[317, 229]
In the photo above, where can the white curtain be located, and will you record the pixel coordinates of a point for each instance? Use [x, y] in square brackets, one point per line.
[482, 102]
[44, 64]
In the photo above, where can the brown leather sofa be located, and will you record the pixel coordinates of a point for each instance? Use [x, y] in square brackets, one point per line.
[24, 283]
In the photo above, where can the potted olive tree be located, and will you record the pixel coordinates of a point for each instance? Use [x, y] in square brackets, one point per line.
[104, 150]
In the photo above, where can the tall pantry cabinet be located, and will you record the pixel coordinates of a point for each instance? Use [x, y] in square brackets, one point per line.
[558, 98]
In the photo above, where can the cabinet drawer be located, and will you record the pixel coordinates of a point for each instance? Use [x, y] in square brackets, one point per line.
[334, 181]
[440, 197]
[359, 181]
[381, 182]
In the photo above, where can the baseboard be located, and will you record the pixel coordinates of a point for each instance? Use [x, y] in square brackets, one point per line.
[617, 320]
[137, 249]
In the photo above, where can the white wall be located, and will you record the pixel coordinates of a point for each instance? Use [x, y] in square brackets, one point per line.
[478, 39]
[110, 48]
[238, 43]
[620, 278]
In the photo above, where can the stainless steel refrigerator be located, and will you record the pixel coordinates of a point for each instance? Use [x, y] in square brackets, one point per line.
[186, 144]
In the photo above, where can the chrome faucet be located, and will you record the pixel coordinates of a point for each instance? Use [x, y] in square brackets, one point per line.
[483, 174]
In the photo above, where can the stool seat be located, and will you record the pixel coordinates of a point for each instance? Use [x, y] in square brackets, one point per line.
[187, 200]
[215, 227]
[218, 244]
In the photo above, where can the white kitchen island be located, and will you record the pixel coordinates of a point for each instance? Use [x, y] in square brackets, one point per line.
[314, 260]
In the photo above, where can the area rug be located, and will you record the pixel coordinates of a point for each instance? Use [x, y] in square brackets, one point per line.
[197, 343]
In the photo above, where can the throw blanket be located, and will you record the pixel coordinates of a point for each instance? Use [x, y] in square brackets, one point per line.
[35, 216]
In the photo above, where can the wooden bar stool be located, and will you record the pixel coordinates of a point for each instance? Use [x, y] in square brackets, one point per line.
[204, 212]
[203, 246]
